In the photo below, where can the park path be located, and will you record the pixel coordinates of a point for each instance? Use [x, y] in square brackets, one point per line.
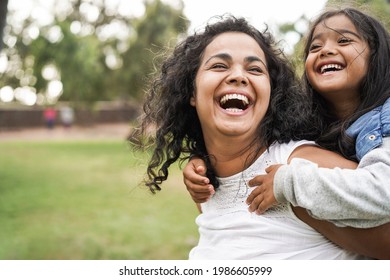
[112, 131]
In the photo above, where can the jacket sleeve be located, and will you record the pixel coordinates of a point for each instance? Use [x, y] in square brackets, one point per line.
[358, 198]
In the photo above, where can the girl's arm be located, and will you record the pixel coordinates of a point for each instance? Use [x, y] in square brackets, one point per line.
[374, 241]
[198, 185]
[265, 195]
[357, 198]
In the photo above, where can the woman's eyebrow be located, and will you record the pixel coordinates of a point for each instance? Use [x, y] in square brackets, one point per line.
[224, 56]
[228, 57]
[255, 58]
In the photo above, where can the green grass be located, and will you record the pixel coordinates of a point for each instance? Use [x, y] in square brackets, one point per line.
[82, 200]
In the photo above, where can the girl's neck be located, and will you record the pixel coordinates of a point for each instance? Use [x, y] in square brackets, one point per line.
[342, 109]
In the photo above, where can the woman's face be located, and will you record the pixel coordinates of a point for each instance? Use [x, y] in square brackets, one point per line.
[232, 87]
[338, 60]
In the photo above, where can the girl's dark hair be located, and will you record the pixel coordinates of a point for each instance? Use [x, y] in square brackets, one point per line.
[174, 122]
[374, 89]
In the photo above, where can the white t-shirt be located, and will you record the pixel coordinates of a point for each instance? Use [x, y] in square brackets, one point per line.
[229, 231]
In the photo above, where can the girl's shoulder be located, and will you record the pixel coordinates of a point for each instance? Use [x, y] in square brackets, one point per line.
[370, 129]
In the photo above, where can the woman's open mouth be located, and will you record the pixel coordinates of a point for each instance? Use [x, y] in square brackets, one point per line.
[234, 102]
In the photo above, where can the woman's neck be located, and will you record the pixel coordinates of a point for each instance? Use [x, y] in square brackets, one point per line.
[232, 157]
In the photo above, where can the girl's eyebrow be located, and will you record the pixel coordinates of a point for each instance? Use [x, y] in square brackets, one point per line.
[339, 31]
[228, 57]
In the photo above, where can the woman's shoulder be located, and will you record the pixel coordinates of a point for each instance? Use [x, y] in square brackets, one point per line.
[282, 151]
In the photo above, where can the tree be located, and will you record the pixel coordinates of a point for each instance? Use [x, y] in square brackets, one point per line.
[78, 60]
[160, 26]
[377, 8]
[3, 15]
[89, 51]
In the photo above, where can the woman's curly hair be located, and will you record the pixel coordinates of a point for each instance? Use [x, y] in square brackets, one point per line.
[174, 122]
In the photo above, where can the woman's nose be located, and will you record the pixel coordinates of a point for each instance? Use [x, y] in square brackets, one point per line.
[237, 76]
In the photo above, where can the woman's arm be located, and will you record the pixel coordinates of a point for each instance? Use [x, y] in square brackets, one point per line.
[371, 242]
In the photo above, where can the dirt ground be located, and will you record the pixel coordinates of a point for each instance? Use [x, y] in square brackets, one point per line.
[98, 131]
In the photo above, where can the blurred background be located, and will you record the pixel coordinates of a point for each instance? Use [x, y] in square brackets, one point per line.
[72, 78]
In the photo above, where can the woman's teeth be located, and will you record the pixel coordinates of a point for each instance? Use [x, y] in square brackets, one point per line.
[234, 102]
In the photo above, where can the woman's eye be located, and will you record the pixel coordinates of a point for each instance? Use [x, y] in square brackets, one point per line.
[218, 66]
[344, 40]
[256, 69]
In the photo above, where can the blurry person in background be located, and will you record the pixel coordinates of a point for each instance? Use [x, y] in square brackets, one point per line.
[67, 116]
[50, 115]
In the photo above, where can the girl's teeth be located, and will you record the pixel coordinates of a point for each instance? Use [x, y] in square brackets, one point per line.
[331, 66]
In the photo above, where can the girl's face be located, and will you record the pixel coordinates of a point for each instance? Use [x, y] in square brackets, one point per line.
[232, 86]
[337, 61]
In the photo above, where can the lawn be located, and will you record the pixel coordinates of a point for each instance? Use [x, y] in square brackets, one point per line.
[82, 200]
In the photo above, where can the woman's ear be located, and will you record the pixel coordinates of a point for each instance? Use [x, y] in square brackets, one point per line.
[192, 101]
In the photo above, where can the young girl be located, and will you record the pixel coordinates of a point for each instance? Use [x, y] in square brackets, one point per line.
[346, 72]
[229, 95]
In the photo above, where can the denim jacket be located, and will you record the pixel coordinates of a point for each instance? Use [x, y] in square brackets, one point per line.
[370, 129]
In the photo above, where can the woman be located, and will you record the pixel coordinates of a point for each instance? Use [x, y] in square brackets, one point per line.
[229, 95]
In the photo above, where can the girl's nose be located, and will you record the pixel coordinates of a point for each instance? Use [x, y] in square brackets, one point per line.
[328, 50]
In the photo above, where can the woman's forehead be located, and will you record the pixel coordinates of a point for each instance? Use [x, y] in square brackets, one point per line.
[233, 41]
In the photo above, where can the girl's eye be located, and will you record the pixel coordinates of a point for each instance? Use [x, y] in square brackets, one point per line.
[314, 47]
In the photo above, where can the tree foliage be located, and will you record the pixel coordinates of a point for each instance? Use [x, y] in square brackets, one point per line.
[92, 62]
[3, 14]
[79, 60]
[155, 31]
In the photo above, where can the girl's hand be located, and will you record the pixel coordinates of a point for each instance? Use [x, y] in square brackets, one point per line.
[198, 185]
[262, 197]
